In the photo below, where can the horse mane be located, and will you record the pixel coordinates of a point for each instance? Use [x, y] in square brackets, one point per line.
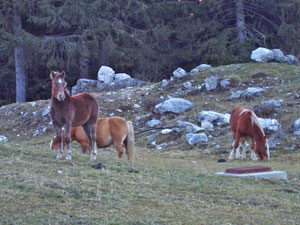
[254, 120]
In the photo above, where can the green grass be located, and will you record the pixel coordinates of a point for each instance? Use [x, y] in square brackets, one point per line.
[170, 188]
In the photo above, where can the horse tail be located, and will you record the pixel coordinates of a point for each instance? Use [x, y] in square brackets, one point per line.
[129, 144]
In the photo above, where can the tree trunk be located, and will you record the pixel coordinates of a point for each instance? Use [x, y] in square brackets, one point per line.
[19, 60]
[84, 67]
[240, 23]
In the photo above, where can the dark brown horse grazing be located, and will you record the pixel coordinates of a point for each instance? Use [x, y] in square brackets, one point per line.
[70, 111]
[244, 125]
[111, 130]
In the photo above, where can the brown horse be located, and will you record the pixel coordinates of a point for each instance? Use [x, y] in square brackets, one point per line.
[244, 125]
[71, 111]
[112, 130]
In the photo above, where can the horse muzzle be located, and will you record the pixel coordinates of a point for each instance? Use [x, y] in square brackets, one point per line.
[61, 96]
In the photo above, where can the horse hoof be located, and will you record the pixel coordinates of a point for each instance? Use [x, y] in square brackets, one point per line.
[69, 158]
[93, 157]
[59, 156]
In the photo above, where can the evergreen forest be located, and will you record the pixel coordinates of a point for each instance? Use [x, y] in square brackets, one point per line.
[147, 39]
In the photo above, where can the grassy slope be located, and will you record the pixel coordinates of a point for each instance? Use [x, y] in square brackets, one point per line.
[173, 186]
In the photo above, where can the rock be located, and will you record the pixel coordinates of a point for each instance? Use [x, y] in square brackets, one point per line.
[207, 125]
[278, 55]
[153, 123]
[211, 83]
[106, 74]
[129, 82]
[179, 73]
[136, 106]
[166, 131]
[190, 127]
[292, 60]
[267, 107]
[3, 138]
[252, 91]
[151, 138]
[212, 117]
[248, 93]
[46, 111]
[297, 127]
[262, 55]
[187, 85]
[121, 76]
[164, 83]
[193, 139]
[84, 85]
[225, 83]
[235, 95]
[270, 125]
[200, 68]
[174, 105]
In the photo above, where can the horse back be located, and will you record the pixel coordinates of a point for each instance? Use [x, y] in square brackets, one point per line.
[240, 121]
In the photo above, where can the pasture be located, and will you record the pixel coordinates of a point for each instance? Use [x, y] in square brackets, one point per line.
[174, 185]
[159, 188]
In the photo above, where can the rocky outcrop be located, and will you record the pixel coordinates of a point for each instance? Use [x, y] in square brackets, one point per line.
[107, 80]
[267, 55]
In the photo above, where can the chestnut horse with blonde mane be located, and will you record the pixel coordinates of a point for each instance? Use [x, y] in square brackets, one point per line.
[244, 125]
[111, 130]
[71, 111]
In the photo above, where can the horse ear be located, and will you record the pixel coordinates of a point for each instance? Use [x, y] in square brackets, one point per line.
[52, 75]
[63, 74]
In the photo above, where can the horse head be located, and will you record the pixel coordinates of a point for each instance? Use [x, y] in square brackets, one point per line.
[262, 149]
[58, 85]
[54, 143]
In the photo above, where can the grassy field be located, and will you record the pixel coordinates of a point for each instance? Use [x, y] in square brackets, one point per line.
[159, 188]
[175, 185]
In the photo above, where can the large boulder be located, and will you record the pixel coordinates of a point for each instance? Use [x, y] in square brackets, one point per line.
[121, 76]
[213, 117]
[154, 123]
[270, 125]
[211, 83]
[179, 73]
[190, 127]
[262, 55]
[200, 68]
[193, 139]
[252, 91]
[278, 55]
[248, 93]
[84, 85]
[173, 105]
[106, 74]
[290, 59]
[129, 82]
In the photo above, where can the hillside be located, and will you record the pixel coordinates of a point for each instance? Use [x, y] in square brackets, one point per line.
[174, 183]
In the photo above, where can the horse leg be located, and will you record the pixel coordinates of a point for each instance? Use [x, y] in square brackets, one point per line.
[253, 155]
[58, 131]
[118, 145]
[90, 131]
[68, 141]
[236, 144]
[244, 142]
